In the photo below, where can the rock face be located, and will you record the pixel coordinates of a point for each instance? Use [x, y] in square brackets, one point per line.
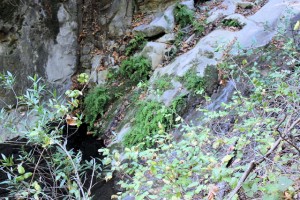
[45, 37]
[62, 56]
[101, 22]
[258, 31]
[154, 51]
[38, 37]
[150, 6]
[162, 24]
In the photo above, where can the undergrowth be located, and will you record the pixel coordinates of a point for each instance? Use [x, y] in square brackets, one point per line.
[133, 70]
[233, 23]
[200, 84]
[44, 167]
[95, 104]
[152, 118]
[249, 147]
[135, 44]
[162, 84]
[187, 22]
[136, 69]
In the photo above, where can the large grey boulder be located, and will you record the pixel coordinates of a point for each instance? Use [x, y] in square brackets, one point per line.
[189, 4]
[62, 56]
[98, 76]
[122, 19]
[164, 23]
[154, 51]
[167, 38]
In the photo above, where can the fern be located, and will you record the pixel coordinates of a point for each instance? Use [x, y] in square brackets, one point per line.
[152, 118]
[95, 103]
[136, 68]
[183, 15]
[137, 43]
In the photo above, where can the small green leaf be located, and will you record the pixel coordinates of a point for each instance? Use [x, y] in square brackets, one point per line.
[21, 169]
[27, 175]
[153, 196]
[193, 184]
[19, 178]
[36, 186]
[226, 158]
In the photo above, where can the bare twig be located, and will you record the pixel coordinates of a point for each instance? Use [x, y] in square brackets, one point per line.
[254, 163]
[287, 131]
[77, 179]
[252, 166]
[91, 183]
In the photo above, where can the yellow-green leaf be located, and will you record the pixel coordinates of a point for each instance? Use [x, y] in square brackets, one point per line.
[27, 175]
[297, 26]
[226, 158]
[21, 169]
[36, 186]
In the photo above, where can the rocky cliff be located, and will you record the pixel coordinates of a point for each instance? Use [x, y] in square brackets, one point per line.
[38, 37]
[152, 64]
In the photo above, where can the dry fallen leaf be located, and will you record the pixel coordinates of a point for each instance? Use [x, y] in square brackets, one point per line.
[115, 55]
[90, 133]
[213, 189]
[71, 121]
[287, 196]
[223, 82]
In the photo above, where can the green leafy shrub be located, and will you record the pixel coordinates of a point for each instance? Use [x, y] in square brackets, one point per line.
[260, 126]
[193, 82]
[95, 103]
[136, 68]
[152, 118]
[83, 78]
[200, 84]
[185, 16]
[135, 44]
[48, 170]
[162, 84]
[232, 22]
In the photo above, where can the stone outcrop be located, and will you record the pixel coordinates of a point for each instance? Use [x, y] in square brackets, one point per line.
[101, 22]
[258, 30]
[162, 24]
[43, 38]
[154, 51]
[38, 37]
[153, 6]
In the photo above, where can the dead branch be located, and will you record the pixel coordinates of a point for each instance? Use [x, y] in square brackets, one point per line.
[254, 163]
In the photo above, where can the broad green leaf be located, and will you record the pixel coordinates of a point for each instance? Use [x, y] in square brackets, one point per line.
[284, 182]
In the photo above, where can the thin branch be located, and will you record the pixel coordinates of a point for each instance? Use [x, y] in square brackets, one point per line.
[288, 130]
[252, 166]
[78, 180]
[91, 183]
[254, 163]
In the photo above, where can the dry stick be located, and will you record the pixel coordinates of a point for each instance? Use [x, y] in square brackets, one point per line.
[91, 183]
[35, 168]
[77, 179]
[288, 130]
[254, 163]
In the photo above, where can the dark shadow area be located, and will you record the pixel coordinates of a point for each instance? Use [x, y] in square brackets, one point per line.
[78, 140]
